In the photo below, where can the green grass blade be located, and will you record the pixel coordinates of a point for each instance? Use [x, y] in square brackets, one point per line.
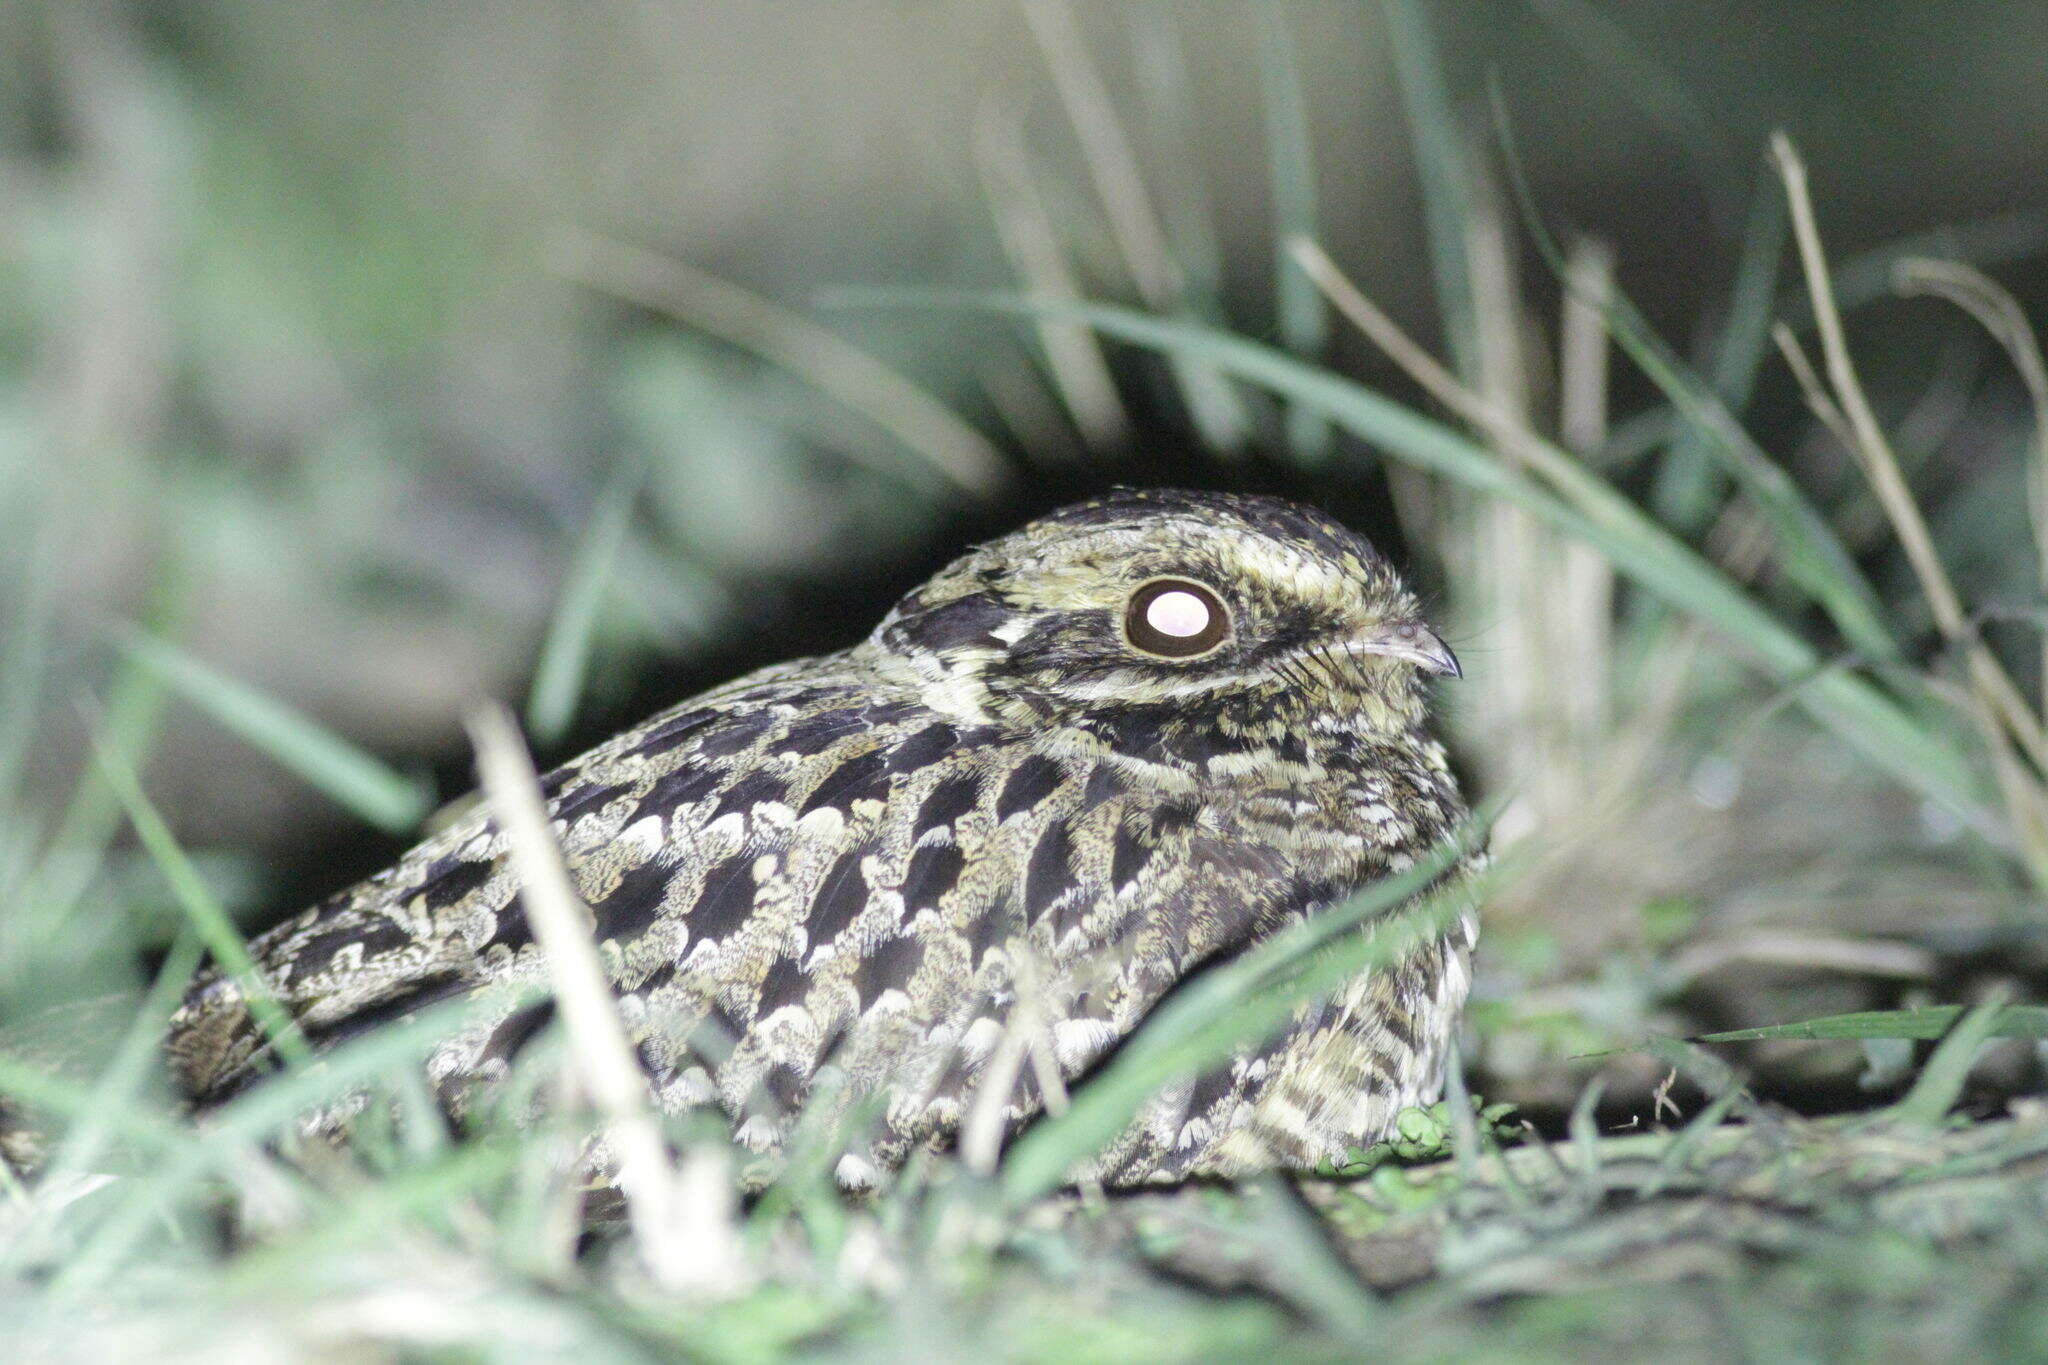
[1465, 1144]
[1929, 1022]
[380, 1209]
[24, 641]
[1290, 1238]
[1160, 62]
[255, 1116]
[128, 1072]
[37, 926]
[565, 653]
[1674, 1162]
[72, 1099]
[1582, 1126]
[1686, 492]
[1587, 507]
[366, 786]
[208, 920]
[1941, 1081]
[1443, 164]
[1303, 316]
[107, 1109]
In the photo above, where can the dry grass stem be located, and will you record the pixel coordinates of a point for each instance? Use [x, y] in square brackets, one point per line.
[678, 1254]
[1817, 398]
[2004, 715]
[1853, 956]
[1999, 314]
[1583, 351]
[981, 1133]
[1558, 640]
[1587, 580]
[1869, 442]
[1513, 438]
[1026, 1040]
[1020, 399]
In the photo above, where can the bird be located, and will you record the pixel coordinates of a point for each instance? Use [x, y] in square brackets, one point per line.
[1084, 763]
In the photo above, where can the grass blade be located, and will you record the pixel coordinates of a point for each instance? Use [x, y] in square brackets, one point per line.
[1171, 97]
[1443, 162]
[365, 785]
[1663, 95]
[606, 1065]
[1808, 549]
[1073, 355]
[1928, 1022]
[1217, 412]
[1869, 275]
[24, 653]
[1942, 1079]
[38, 930]
[565, 653]
[944, 445]
[1304, 320]
[1686, 484]
[209, 921]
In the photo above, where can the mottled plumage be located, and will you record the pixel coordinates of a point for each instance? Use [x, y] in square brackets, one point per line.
[1021, 785]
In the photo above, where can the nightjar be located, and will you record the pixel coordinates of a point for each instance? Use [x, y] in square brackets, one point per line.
[1083, 762]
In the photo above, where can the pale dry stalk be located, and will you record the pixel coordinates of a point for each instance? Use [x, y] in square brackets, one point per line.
[2003, 713]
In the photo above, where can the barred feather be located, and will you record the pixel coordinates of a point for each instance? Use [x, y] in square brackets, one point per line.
[863, 859]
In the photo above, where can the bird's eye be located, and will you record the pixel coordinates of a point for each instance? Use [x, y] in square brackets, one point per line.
[1175, 619]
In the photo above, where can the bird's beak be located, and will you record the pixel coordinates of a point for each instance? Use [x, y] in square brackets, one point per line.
[1415, 642]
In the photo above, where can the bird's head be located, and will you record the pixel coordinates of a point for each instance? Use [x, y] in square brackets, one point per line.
[1249, 612]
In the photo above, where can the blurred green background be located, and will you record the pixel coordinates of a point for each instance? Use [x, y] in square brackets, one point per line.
[385, 356]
